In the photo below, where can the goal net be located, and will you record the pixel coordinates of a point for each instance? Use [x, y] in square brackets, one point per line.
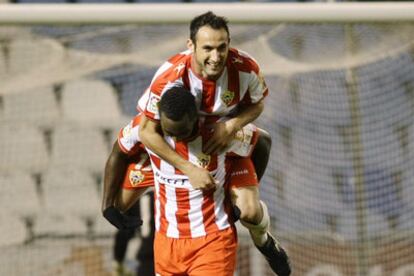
[339, 185]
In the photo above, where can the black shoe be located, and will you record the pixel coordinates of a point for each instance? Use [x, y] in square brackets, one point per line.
[276, 256]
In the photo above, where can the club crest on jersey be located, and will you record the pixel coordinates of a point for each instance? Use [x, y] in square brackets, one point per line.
[203, 160]
[227, 97]
[136, 178]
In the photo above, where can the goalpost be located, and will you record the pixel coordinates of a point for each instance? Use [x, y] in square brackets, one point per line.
[339, 184]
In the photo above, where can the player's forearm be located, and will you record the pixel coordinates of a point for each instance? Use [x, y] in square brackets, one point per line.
[115, 169]
[154, 141]
[247, 115]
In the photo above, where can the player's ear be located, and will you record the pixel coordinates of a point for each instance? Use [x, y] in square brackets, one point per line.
[190, 45]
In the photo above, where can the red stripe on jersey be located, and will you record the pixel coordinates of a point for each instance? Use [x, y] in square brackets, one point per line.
[163, 201]
[183, 207]
[177, 58]
[156, 161]
[209, 218]
[233, 83]
[186, 77]
[182, 149]
[209, 96]
[243, 62]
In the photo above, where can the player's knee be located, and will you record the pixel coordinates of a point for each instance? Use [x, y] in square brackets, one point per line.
[250, 212]
[265, 140]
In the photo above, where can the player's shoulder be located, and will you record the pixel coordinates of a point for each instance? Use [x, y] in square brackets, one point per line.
[171, 71]
[243, 61]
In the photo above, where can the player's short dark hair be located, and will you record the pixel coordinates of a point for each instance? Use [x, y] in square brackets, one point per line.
[177, 102]
[207, 19]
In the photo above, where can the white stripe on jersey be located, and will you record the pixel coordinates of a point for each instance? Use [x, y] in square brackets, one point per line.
[170, 210]
[130, 136]
[166, 168]
[157, 205]
[195, 215]
[221, 87]
[219, 195]
[196, 88]
[255, 88]
[164, 67]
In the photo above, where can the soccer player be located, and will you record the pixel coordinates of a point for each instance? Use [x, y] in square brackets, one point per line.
[225, 82]
[195, 234]
[127, 176]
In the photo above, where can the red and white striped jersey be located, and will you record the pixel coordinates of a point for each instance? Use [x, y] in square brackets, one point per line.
[240, 82]
[182, 211]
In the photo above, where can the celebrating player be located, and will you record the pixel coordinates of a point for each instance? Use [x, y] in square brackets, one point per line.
[225, 82]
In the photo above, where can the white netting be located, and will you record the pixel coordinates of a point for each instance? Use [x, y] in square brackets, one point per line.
[339, 184]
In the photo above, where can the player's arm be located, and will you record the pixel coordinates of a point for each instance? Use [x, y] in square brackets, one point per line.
[223, 132]
[115, 170]
[151, 137]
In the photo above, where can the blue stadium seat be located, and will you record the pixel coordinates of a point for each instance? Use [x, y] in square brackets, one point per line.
[376, 225]
[41, 1]
[101, 1]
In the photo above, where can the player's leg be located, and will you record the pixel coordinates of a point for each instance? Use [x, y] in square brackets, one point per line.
[121, 240]
[261, 152]
[254, 214]
[128, 198]
[145, 253]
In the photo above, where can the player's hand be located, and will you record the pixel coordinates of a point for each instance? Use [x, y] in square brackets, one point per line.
[201, 179]
[121, 221]
[223, 134]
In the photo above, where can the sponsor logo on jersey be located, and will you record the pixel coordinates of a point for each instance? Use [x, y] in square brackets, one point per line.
[242, 172]
[136, 178]
[153, 103]
[179, 68]
[227, 97]
[126, 132]
[237, 60]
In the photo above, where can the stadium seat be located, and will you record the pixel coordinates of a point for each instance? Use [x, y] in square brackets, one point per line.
[31, 56]
[285, 108]
[290, 221]
[37, 107]
[103, 227]
[381, 147]
[70, 199]
[50, 224]
[12, 230]
[377, 103]
[82, 147]
[22, 149]
[375, 225]
[322, 100]
[101, 1]
[70, 191]
[41, 1]
[312, 188]
[91, 102]
[319, 145]
[18, 193]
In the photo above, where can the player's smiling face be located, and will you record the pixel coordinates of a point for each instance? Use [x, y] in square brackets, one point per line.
[210, 52]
